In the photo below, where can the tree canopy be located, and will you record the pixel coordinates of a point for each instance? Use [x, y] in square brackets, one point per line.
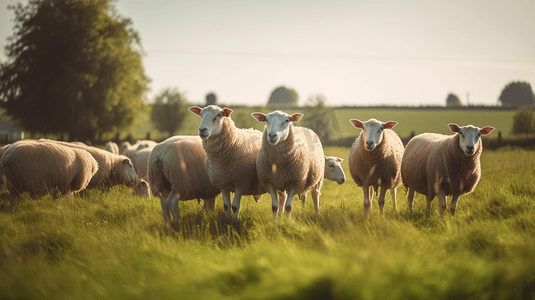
[168, 110]
[517, 93]
[283, 97]
[211, 99]
[73, 67]
[453, 100]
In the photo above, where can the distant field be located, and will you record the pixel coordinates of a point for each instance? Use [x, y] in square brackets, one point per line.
[409, 120]
[109, 244]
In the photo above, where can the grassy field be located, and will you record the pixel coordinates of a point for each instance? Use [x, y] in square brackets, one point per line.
[409, 120]
[112, 245]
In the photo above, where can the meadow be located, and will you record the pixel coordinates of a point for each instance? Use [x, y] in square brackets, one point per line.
[108, 244]
[409, 120]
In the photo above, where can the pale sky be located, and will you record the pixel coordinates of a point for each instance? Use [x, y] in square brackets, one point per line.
[353, 52]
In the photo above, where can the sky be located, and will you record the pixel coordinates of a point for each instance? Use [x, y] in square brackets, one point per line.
[368, 52]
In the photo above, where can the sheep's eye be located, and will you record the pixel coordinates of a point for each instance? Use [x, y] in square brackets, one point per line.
[331, 166]
[219, 115]
[286, 121]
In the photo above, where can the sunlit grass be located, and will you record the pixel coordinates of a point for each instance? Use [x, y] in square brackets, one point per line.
[112, 245]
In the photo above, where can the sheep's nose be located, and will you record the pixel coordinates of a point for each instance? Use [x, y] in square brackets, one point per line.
[272, 136]
[369, 143]
[470, 148]
[201, 130]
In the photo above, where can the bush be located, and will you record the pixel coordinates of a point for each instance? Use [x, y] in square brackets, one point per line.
[523, 121]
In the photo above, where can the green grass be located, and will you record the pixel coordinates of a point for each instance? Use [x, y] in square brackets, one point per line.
[409, 120]
[112, 245]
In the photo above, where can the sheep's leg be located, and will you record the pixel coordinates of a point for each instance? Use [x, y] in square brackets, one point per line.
[289, 201]
[303, 198]
[274, 200]
[367, 202]
[393, 193]
[165, 210]
[316, 199]
[226, 203]
[453, 204]
[381, 199]
[236, 204]
[411, 199]
[282, 201]
[442, 202]
[429, 200]
[172, 202]
[209, 204]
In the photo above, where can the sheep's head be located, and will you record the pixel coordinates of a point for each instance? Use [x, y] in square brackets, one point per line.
[212, 119]
[372, 131]
[469, 137]
[129, 171]
[277, 124]
[141, 188]
[333, 169]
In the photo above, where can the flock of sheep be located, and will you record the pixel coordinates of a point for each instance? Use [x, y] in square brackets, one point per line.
[285, 160]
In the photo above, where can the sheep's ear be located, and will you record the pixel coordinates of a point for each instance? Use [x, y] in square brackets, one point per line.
[454, 127]
[126, 161]
[260, 117]
[196, 110]
[226, 112]
[390, 124]
[296, 117]
[357, 123]
[338, 159]
[486, 130]
[144, 183]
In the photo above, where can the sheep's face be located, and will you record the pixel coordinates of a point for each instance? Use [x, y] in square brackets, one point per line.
[141, 189]
[131, 176]
[372, 131]
[333, 169]
[277, 125]
[212, 120]
[469, 137]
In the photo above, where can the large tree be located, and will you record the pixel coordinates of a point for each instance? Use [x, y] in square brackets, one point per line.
[283, 97]
[517, 93]
[73, 67]
[169, 110]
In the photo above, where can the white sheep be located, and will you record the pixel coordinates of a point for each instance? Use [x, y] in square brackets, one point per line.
[443, 165]
[375, 161]
[113, 169]
[112, 147]
[230, 156]
[291, 159]
[45, 168]
[177, 172]
[333, 171]
[141, 161]
[141, 188]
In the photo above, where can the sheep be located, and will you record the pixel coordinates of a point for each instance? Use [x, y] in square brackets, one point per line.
[230, 156]
[112, 147]
[375, 161]
[141, 161]
[129, 150]
[143, 144]
[141, 188]
[113, 169]
[443, 165]
[291, 159]
[177, 172]
[45, 168]
[333, 169]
